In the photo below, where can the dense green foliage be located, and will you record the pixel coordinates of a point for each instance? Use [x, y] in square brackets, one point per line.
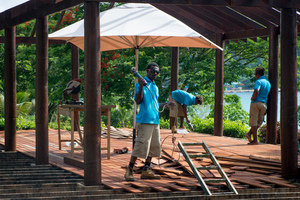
[25, 118]
[298, 115]
[22, 123]
[164, 124]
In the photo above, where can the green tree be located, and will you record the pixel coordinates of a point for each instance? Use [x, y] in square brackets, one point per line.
[25, 104]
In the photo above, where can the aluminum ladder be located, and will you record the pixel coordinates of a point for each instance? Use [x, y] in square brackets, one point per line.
[215, 165]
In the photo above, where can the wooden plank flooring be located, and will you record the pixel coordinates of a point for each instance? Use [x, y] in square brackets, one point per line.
[244, 174]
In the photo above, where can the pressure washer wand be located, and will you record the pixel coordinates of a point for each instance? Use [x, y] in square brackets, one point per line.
[190, 126]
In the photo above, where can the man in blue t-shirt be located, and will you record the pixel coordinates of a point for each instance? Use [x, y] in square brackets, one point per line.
[147, 142]
[182, 99]
[258, 107]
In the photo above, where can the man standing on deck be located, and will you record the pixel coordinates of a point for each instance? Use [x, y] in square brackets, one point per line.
[147, 143]
[258, 107]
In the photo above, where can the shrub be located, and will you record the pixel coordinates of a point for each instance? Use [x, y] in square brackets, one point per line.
[298, 115]
[235, 129]
[65, 122]
[262, 133]
[230, 128]
[203, 125]
[2, 124]
[164, 124]
[24, 123]
[120, 117]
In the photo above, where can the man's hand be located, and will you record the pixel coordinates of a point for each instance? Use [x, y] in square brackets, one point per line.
[171, 104]
[142, 82]
[255, 94]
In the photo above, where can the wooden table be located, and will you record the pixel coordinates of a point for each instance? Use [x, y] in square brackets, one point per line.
[69, 111]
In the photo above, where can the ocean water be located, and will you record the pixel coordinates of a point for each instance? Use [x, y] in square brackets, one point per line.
[246, 96]
[203, 111]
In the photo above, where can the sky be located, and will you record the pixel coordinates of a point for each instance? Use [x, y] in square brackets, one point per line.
[7, 4]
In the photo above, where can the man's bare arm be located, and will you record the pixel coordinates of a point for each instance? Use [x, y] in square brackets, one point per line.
[170, 104]
[139, 97]
[185, 112]
[255, 94]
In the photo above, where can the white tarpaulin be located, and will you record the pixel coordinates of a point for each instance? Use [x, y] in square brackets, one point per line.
[5, 4]
[136, 26]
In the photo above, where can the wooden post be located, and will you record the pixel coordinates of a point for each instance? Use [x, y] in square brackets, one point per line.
[272, 103]
[10, 96]
[41, 115]
[174, 68]
[92, 94]
[174, 75]
[75, 75]
[288, 107]
[219, 81]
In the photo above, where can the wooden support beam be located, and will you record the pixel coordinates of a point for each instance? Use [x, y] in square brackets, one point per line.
[33, 9]
[219, 86]
[248, 3]
[74, 161]
[31, 40]
[10, 83]
[247, 34]
[288, 112]
[174, 75]
[41, 115]
[174, 68]
[92, 95]
[39, 8]
[272, 103]
[75, 75]
[59, 20]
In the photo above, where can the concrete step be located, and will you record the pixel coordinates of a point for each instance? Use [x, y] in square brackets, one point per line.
[34, 188]
[8, 156]
[279, 195]
[9, 164]
[40, 176]
[57, 193]
[74, 180]
[11, 154]
[37, 175]
[117, 195]
[165, 196]
[30, 170]
[46, 186]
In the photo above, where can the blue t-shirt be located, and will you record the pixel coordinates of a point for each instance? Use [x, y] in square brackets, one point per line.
[183, 97]
[147, 113]
[264, 87]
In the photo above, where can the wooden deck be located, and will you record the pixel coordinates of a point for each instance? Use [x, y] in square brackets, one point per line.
[247, 166]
